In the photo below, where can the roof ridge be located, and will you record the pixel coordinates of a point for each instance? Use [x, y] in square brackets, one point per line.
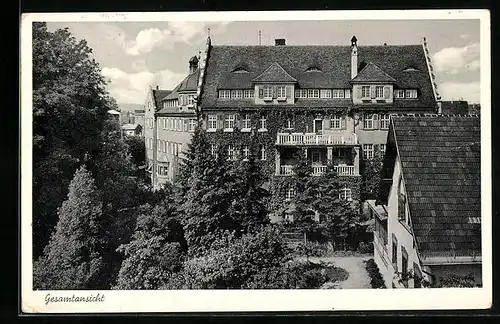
[434, 115]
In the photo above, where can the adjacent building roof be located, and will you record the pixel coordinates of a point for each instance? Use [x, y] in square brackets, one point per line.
[332, 65]
[130, 126]
[159, 95]
[190, 83]
[454, 107]
[441, 167]
[372, 73]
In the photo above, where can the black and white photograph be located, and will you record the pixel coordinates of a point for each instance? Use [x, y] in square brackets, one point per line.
[255, 161]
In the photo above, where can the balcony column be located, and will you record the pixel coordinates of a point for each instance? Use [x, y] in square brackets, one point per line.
[277, 161]
[329, 155]
[356, 160]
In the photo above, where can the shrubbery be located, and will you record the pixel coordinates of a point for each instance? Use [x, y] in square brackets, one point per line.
[364, 247]
[373, 271]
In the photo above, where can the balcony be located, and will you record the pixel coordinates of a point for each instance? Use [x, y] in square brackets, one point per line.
[342, 170]
[316, 139]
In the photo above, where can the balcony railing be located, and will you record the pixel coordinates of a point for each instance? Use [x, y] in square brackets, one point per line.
[316, 139]
[342, 170]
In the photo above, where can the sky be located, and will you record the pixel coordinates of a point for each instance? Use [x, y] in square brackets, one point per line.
[134, 55]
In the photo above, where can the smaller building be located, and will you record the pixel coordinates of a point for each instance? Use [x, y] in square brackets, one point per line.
[428, 214]
[114, 115]
[132, 130]
[459, 107]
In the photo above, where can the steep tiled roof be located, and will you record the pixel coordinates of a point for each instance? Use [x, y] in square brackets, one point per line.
[274, 73]
[441, 168]
[159, 95]
[333, 61]
[372, 73]
[190, 83]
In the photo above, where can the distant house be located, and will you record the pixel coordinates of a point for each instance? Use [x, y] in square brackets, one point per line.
[132, 129]
[459, 107]
[428, 214]
[114, 114]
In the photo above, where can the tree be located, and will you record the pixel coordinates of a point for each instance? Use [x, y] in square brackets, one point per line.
[73, 257]
[156, 251]
[137, 150]
[250, 205]
[370, 179]
[210, 194]
[70, 105]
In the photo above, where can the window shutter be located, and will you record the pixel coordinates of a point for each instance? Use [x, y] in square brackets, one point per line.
[261, 93]
[387, 92]
[326, 122]
[347, 93]
[359, 93]
[376, 150]
[343, 122]
[275, 92]
[361, 120]
[373, 92]
[220, 121]
[375, 121]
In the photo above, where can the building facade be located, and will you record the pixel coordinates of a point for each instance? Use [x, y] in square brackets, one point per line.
[330, 102]
[428, 215]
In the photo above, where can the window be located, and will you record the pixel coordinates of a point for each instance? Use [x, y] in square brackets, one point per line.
[212, 122]
[175, 123]
[301, 93]
[368, 151]
[365, 92]
[263, 123]
[368, 121]
[246, 152]
[162, 170]
[410, 94]
[316, 157]
[338, 93]
[192, 125]
[404, 266]
[245, 122]
[159, 145]
[325, 93]
[268, 92]
[401, 201]
[474, 220]
[289, 123]
[399, 93]
[248, 93]
[213, 150]
[230, 153]
[346, 194]
[190, 100]
[281, 92]
[179, 125]
[313, 93]
[379, 91]
[237, 94]
[290, 193]
[263, 154]
[382, 150]
[335, 122]
[224, 94]
[384, 121]
[229, 122]
[395, 252]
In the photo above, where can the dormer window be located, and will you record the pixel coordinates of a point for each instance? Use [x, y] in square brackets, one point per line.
[399, 93]
[268, 92]
[411, 93]
[313, 69]
[410, 68]
[313, 93]
[237, 94]
[225, 94]
[281, 93]
[365, 92]
[379, 92]
[240, 69]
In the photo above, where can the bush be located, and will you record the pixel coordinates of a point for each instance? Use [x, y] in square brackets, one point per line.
[373, 271]
[364, 247]
[310, 249]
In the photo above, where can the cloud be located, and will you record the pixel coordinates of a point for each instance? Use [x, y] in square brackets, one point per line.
[453, 60]
[132, 87]
[469, 91]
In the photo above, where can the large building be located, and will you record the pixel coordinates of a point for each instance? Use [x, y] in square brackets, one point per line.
[428, 215]
[331, 102]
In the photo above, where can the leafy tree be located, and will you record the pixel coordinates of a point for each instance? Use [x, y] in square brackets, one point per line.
[70, 105]
[156, 251]
[370, 178]
[137, 150]
[73, 257]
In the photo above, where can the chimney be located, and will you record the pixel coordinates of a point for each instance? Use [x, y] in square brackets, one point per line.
[354, 57]
[157, 87]
[193, 64]
[280, 42]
